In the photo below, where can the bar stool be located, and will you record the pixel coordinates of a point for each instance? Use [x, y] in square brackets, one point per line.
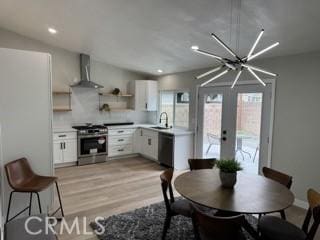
[22, 179]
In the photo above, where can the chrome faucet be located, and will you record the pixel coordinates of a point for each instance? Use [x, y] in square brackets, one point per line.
[166, 115]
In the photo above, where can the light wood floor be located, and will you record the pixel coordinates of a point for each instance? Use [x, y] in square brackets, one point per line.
[115, 187]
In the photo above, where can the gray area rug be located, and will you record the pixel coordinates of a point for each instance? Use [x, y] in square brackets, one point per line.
[146, 223]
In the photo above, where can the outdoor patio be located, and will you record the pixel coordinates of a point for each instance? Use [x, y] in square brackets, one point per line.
[247, 155]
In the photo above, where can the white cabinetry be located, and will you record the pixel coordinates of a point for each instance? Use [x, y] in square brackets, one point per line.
[120, 141]
[145, 95]
[149, 144]
[65, 147]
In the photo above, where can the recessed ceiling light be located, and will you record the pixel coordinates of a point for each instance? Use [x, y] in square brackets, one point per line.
[52, 30]
[159, 71]
[195, 47]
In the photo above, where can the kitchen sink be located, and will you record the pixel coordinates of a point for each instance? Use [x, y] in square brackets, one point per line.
[159, 128]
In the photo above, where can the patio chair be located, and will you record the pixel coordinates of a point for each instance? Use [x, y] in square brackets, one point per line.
[213, 140]
[240, 149]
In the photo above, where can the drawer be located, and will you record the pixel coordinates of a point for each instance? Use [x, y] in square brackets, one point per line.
[120, 150]
[64, 136]
[120, 140]
[121, 131]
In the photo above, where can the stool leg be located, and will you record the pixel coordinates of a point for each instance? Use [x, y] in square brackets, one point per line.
[61, 208]
[39, 203]
[9, 205]
[30, 204]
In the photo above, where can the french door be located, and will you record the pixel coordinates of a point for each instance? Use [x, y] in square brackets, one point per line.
[235, 123]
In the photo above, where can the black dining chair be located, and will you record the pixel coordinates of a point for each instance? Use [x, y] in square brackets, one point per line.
[274, 228]
[173, 207]
[208, 227]
[199, 163]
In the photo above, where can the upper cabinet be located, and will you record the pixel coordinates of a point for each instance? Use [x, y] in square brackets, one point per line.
[145, 95]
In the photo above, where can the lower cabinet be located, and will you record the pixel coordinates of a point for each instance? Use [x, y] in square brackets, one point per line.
[65, 147]
[120, 142]
[149, 144]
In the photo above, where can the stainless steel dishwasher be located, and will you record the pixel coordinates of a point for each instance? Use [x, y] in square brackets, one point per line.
[165, 150]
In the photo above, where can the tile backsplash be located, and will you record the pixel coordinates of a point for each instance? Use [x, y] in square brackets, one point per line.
[85, 109]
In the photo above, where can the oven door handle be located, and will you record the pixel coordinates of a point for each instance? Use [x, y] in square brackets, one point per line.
[91, 136]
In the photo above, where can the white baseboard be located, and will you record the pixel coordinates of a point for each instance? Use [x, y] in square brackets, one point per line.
[301, 204]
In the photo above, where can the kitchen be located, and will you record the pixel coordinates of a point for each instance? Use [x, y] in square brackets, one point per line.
[104, 105]
[79, 143]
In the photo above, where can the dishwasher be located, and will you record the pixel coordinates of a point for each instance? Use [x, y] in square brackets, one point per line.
[166, 149]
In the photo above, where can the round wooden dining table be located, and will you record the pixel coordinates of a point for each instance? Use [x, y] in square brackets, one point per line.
[252, 194]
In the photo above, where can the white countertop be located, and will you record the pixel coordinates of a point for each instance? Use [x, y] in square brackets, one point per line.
[60, 129]
[172, 131]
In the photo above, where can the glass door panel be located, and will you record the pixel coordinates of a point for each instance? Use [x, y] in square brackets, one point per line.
[235, 123]
[248, 128]
[212, 125]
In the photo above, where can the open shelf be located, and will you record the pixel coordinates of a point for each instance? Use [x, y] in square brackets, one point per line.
[61, 100]
[120, 110]
[119, 95]
[116, 103]
[61, 92]
[62, 109]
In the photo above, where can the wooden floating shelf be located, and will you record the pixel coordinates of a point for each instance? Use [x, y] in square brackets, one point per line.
[61, 92]
[58, 109]
[112, 95]
[119, 110]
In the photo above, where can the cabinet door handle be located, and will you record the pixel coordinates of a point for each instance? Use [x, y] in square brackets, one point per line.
[149, 141]
[146, 105]
[120, 150]
[120, 140]
[64, 145]
[61, 146]
[62, 135]
[120, 131]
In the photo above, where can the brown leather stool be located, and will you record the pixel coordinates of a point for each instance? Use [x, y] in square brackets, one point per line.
[22, 179]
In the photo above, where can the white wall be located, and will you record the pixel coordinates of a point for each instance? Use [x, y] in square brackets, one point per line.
[296, 143]
[26, 117]
[2, 198]
[66, 70]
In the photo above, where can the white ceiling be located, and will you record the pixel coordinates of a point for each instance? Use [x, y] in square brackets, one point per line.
[145, 35]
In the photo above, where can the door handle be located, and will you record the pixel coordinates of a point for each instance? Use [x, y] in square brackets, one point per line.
[146, 105]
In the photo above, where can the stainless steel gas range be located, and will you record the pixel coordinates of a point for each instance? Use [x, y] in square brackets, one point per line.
[92, 144]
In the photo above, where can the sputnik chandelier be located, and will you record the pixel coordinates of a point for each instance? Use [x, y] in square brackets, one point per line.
[237, 64]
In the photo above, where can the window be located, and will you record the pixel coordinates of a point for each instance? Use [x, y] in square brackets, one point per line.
[176, 105]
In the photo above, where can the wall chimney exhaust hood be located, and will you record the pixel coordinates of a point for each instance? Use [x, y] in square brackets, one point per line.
[85, 81]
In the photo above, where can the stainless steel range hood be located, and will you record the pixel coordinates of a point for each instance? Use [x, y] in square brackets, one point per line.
[85, 81]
